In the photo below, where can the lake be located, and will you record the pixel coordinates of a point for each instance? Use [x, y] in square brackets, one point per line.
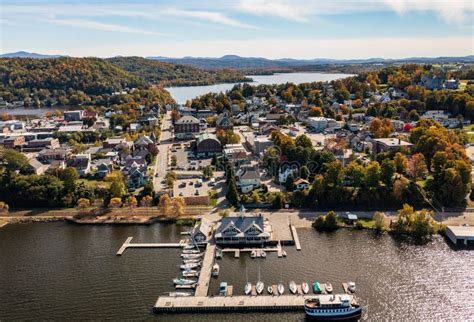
[182, 94]
[61, 271]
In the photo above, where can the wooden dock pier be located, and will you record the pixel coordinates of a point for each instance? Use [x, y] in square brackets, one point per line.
[166, 304]
[295, 237]
[206, 270]
[128, 244]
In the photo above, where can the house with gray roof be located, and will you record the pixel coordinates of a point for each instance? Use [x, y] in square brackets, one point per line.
[242, 231]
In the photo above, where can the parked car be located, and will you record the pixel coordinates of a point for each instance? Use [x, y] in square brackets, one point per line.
[181, 194]
[197, 192]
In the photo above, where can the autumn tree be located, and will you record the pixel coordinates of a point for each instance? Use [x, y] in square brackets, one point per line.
[165, 204]
[417, 166]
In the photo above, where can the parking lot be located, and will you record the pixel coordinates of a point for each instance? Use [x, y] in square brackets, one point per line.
[191, 187]
[185, 159]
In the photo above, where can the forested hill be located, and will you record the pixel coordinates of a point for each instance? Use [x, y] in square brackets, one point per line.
[167, 74]
[93, 76]
[67, 81]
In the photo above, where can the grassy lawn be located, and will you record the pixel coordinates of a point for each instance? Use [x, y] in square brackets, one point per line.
[94, 183]
[366, 222]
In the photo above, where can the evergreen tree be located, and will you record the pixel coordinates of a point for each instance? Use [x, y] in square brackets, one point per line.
[232, 193]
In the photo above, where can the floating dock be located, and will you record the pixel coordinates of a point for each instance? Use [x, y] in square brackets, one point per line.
[295, 237]
[166, 304]
[206, 270]
[128, 244]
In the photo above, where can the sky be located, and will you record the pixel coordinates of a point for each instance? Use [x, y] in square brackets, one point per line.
[304, 29]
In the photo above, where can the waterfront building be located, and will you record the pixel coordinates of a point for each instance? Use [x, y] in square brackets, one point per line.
[242, 231]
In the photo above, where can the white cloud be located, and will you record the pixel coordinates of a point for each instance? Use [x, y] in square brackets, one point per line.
[88, 24]
[289, 10]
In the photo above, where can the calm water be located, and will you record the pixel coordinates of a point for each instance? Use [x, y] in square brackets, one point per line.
[60, 271]
[182, 94]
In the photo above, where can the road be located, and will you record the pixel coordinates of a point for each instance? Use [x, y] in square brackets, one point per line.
[161, 164]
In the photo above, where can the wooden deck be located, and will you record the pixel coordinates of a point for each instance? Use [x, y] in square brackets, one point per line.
[128, 244]
[206, 270]
[166, 304]
[295, 237]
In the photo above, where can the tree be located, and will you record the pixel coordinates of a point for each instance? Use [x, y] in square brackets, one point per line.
[304, 172]
[83, 203]
[290, 183]
[303, 141]
[4, 206]
[379, 218]
[334, 174]
[208, 171]
[355, 174]
[165, 204]
[179, 206]
[174, 160]
[146, 201]
[417, 166]
[387, 171]
[171, 178]
[372, 175]
[69, 177]
[401, 163]
[13, 160]
[232, 193]
[131, 202]
[115, 202]
[117, 188]
[327, 222]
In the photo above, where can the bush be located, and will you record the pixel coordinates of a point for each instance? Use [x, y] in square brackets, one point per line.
[328, 222]
[359, 224]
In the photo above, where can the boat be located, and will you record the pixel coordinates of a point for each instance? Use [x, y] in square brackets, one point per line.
[183, 281]
[180, 294]
[215, 270]
[253, 254]
[189, 247]
[260, 286]
[270, 289]
[248, 286]
[281, 289]
[293, 287]
[218, 253]
[191, 251]
[191, 256]
[192, 261]
[189, 266]
[263, 254]
[223, 289]
[305, 287]
[333, 307]
[186, 287]
[283, 252]
[190, 273]
[351, 286]
[328, 287]
[316, 287]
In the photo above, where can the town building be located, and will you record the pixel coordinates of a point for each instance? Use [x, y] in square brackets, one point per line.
[242, 231]
[207, 144]
[389, 144]
[187, 127]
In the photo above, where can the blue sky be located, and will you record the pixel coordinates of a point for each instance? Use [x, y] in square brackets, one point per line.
[263, 28]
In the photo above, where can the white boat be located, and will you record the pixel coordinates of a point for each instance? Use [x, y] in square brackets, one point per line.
[180, 294]
[191, 256]
[192, 261]
[293, 287]
[283, 252]
[328, 287]
[270, 289]
[190, 273]
[218, 253]
[305, 287]
[189, 266]
[281, 289]
[253, 254]
[351, 286]
[333, 307]
[263, 254]
[183, 281]
[188, 247]
[191, 251]
[248, 288]
[215, 270]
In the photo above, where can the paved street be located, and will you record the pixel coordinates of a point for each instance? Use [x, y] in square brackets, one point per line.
[161, 165]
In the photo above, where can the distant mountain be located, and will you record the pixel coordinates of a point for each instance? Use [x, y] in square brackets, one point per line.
[25, 54]
[234, 61]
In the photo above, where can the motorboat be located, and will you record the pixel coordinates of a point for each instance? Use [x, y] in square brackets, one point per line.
[263, 253]
[190, 273]
[351, 286]
[281, 289]
[328, 287]
[270, 289]
[218, 253]
[192, 261]
[305, 287]
[183, 281]
[180, 294]
[215, 270]
[189, 247]
[316, 287]
[248, 288]
[333, 307]
[189, 266]
[253, 254]
[223, 289]
[283, 252]
[191, 256]
[293, 287]
[191, 251]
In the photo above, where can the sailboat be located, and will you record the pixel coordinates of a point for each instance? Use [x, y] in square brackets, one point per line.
[248, 286]
[305, 287]
[281, 287]
[270, 289]
[260, 285]
[293, 287]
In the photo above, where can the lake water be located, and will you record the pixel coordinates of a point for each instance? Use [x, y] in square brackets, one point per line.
[62, 271]
[182, 94]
